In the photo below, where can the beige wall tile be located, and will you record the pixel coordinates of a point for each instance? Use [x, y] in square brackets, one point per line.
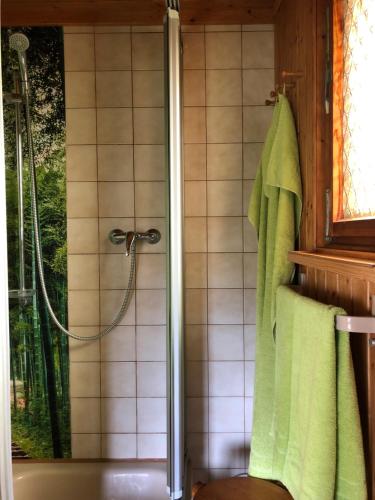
[249, 378]
[195, 162]
[197, 415]
[119, 345]
[79, 52]
[194, 52]
[148, 126]
[195, 198]
[225, 270]
[86, 446]
[83, 272]
[114, 271]
[195, 270]
[151, 307]
[195, 306]
[80, 89]
[149, 163]
[85, 415]
[197, 444]
[119, 446]
[113, 89]
[196, 378]
[82, 235]
[110, 304]
[80, 126]
[249, 336]
[225, 234]
[195, 234]
[118, 379]
[226, 378]
[83, 308]
[225, 307]
[194, 88]
[112, 51]
[151, 415]
[250, 269]
[256, 121]
[227, 450]
[148, 88]
[224, 161]
[151, 343]
[113, 411]
[258, 50]
[250, 309]
[151, 445]
[248, 415]
[84, 380]
[106, 225]
[152, 379]
[81, 163]
[225, 343]
[78, 29]
[115, 126]
[196, 342]
[150, 199]
[115, 163]
[224, 87]
[84, 351]
[247, 186]
[192, 28]
[223, 50]
[81, 199]
[224, 124]
[256, 85]
[148, 51]
[251, 158]
[227, 415]
[194, 125]
[116, 199]
[151, 271]
[224, 198]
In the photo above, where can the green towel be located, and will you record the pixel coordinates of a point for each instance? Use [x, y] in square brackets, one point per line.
[275, 212]
[318, 450]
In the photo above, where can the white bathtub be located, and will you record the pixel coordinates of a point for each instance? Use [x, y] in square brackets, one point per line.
[90, 481]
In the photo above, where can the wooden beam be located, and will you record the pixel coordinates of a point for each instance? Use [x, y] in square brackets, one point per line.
[130, 12]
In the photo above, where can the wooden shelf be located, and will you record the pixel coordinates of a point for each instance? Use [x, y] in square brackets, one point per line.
[362, 268]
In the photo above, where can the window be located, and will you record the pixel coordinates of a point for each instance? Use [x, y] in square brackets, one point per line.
[353, 120]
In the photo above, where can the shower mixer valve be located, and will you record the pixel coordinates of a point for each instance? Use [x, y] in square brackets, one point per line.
[118, 236]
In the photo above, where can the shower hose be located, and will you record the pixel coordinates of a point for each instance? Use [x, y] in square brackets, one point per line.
[39, 253]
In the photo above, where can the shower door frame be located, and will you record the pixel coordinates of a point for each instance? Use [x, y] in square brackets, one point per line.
[175, 265]
[6, 476]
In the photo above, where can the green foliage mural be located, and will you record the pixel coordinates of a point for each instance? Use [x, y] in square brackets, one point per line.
[39, 352]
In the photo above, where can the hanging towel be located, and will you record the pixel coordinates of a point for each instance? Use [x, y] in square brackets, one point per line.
[275, 212]
[318, 450]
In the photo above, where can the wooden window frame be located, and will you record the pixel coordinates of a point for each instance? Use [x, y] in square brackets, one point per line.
[356, 234]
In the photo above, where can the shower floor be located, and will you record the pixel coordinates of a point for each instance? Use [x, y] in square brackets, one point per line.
[138, 480]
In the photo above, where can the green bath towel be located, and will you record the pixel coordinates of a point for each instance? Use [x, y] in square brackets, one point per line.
[318, 450]
[275, 212]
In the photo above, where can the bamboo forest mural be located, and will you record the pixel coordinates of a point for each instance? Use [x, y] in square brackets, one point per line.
[39, 353]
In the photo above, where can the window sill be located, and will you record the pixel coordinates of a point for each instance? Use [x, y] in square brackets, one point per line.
[357, 264]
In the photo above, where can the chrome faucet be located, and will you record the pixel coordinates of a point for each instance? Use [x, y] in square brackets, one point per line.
[118, 236]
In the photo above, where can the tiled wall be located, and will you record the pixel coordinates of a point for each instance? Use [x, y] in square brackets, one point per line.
[115, 172]
[115, 179]
[228, 74]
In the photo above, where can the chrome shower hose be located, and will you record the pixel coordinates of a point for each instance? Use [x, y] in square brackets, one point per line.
[39, 253]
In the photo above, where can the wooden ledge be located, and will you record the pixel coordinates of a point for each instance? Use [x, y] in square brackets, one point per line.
[339, 263]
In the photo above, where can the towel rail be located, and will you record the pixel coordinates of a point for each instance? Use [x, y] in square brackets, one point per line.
[358, 324]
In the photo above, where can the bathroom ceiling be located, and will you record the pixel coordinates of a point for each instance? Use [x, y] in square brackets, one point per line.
[142, 12]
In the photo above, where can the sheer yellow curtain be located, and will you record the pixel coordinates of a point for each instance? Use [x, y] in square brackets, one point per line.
[358, 110]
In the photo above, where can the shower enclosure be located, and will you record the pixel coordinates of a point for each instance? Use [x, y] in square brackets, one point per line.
[174, 236]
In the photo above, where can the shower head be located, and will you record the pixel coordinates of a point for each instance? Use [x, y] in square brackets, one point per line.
[19, 42]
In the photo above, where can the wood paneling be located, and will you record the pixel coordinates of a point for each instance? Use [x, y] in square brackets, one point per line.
[140, 12]
[332, 276]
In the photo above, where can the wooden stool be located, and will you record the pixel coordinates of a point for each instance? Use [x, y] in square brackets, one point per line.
[240, 488]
